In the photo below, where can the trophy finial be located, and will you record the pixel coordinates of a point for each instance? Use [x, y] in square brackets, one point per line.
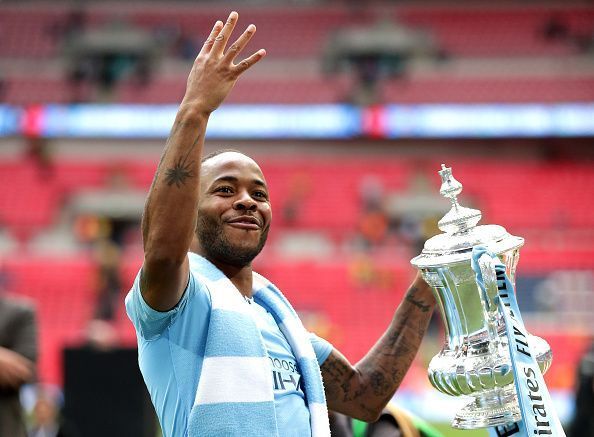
[450, 187]
[459, 218]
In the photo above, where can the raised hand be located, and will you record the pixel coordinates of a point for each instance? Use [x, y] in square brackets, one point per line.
[170, 214]
[214, 72]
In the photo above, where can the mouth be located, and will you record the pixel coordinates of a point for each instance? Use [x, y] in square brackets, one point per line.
[247, 222]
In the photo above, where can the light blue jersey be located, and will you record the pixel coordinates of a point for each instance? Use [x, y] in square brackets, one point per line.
[171, 351]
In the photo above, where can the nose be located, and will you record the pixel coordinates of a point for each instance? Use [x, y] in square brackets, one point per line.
[245, 202]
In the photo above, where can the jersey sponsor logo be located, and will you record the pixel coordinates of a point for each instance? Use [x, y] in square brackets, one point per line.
[285, 375]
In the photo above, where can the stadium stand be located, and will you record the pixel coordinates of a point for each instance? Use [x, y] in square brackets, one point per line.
[504, 33]
[331, 205]
[487, 54]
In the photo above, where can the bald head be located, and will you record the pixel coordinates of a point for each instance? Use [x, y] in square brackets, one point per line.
[228, 163]
[220, 152]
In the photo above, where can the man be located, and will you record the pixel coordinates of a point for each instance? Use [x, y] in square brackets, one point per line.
[582, 424]
[220, 349]
[18, 353]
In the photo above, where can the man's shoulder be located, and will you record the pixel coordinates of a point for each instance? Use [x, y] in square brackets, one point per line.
[195, 294]
[17, 304]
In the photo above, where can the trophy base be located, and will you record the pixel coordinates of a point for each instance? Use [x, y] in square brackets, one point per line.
[490, 408]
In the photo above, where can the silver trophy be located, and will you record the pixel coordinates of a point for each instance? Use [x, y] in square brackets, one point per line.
[475, 360]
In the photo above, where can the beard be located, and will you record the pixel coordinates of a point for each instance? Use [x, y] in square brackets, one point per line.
[216, 245]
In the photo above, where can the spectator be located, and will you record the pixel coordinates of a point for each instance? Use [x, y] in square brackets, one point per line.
[18, 354]
[46, 420]
[583, 421]
[109, 284]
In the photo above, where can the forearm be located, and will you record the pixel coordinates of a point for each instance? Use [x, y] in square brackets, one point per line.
[386, 364]
[363, 390]
[169, 216]
[170, 212]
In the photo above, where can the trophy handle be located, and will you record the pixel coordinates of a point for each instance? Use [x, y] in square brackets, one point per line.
[488, 298]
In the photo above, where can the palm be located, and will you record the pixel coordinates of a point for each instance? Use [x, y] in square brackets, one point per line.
[214, 72]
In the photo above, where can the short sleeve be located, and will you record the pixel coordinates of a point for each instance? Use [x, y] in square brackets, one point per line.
[322, 348]
[150, 323]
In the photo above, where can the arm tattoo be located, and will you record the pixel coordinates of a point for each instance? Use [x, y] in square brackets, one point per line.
[145, 222]
[418, 303]
[179, 173]
[182, 169]
[338, 380]
[366, 388]
[379, 383]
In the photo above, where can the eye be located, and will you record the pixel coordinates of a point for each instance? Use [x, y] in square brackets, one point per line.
[261, 194]
[224, 189]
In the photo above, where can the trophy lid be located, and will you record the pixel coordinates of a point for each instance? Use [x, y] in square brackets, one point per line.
[461, 232]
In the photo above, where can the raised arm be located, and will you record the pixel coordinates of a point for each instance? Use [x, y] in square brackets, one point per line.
[363, 390]
[170, 212]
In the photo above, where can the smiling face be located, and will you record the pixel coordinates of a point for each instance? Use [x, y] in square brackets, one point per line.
[234, 211]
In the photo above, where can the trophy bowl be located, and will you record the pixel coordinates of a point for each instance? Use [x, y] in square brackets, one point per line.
[475, 360]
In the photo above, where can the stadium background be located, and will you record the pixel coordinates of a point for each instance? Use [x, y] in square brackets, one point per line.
[351, 114]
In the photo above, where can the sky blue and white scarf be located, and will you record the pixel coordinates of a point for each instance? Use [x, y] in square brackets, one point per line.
[235, 392]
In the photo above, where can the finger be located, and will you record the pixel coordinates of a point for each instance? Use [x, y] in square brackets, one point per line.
[223, 36]
[248, 62]
[241, 42]
[207, 46]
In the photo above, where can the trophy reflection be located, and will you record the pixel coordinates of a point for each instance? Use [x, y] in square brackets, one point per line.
[475, 360]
